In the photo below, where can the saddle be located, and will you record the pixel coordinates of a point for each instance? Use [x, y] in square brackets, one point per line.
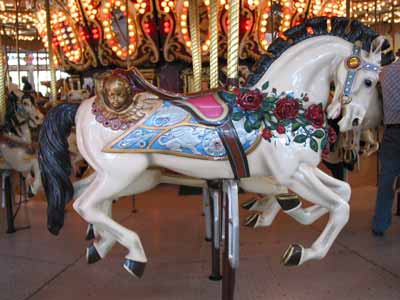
[207, 108]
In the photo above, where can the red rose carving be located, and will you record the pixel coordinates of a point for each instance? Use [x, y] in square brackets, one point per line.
[280, 129]
[286, 109]
[315, 114]
[332, 136]
[267, 134]
[250, 100]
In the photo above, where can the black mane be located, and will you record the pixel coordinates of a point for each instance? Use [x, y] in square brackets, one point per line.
[347, 29]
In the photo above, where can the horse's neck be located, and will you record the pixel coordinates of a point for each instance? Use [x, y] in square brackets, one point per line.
[307, 67]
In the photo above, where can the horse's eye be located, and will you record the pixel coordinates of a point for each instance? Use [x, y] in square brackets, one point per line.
[368, 82]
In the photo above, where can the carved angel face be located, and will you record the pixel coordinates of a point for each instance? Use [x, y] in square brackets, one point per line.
[117, 93]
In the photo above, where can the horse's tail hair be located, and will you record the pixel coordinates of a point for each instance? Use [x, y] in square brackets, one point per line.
[55, 163]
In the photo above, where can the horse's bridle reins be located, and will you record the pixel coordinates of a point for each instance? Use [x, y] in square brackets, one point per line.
[354, 63]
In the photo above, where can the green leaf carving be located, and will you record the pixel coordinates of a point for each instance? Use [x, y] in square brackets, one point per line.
[267, 117]
[300, 138]
[256, 124]
[295, 126]
[248, 126]
[265, 86]
[237, 116]
[318, 134]
[314, 145]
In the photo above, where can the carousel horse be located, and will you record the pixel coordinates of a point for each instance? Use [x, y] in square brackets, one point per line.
[16, 144]
[129, 128]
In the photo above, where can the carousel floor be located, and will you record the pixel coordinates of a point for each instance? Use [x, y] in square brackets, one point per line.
[37, 266]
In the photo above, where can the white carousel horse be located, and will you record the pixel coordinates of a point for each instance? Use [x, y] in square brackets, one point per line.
[16, 144]
[268, 207]
[305, 66]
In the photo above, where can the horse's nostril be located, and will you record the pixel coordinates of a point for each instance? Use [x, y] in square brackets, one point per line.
[356, 121]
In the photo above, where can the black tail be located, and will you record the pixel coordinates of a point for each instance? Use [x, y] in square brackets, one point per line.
[55, 163]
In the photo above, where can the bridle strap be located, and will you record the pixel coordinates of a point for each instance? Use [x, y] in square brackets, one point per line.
[353, 64]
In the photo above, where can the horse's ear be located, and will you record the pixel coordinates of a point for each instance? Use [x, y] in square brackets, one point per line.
[376, 47]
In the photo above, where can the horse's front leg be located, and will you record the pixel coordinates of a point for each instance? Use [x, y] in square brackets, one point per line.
[310, 184]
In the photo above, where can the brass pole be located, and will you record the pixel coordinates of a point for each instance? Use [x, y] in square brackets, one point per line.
[195, 38]
[128, 42]
[348, 6]
[3, 102]
[17, 4]
[53, 88]
[233, 44]
[214, 44]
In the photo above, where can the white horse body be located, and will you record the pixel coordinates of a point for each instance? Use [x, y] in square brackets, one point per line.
[307, 67]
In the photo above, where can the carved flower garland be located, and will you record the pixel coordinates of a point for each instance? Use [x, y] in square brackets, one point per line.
[283, 115]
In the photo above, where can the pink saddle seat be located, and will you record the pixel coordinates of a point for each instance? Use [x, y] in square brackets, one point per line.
[208, 107]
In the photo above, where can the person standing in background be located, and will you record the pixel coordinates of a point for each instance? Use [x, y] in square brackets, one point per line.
[389, 154]
[27, 86]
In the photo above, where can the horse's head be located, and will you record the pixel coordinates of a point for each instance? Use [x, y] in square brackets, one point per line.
[26, 109]
[355, 81]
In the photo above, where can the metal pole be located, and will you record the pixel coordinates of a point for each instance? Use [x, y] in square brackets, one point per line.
[233, 44]
[348, 6]
[53, 87]
[195, 38]
[9, 199]
[3, 103]
[214, 44]
[17, 4]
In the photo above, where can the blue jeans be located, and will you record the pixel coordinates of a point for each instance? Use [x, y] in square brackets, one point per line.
[389, 157]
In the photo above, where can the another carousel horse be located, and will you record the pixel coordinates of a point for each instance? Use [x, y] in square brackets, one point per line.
[126, 130]
[16, 145]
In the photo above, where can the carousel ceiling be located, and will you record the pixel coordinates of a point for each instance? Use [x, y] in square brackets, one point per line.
[90, 34]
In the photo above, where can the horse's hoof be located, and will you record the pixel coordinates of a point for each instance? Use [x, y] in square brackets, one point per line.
[288, 201]
[90, 233]
[208, 239]
[248, 204]
[92, 255]
[215, 277]
[30, 192]
[251, 221]
[135, 268]
[292, 256]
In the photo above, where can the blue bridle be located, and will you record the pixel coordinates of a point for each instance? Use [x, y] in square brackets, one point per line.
[353, 64]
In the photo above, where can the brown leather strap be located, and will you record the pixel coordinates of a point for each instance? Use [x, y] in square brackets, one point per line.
[234, 150]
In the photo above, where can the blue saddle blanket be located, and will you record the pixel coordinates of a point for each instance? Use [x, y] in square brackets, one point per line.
[172, 130]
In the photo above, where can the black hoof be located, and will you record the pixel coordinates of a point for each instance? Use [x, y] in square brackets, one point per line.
[288, 201]
[90, 233]
[30, 193]
[248, 204]
[208, 239]
[135, 268]
[251, 221]
[377, 233]
[92, 255]
[292, 256]
[215, 277]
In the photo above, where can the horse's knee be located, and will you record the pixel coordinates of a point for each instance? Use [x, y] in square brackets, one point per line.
[342, 212]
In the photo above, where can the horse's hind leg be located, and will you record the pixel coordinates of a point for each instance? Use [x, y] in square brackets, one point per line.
[88, 205]
[307, 183]
[105, 241]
